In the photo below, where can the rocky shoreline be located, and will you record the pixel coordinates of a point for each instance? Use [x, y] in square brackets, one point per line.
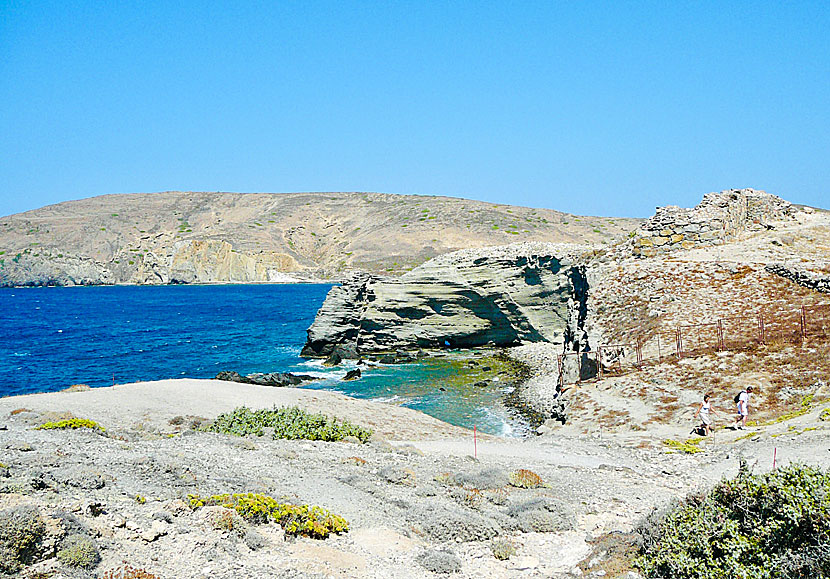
[420, 498]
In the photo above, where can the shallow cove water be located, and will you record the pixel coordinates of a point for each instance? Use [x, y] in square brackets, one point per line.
[51, 338]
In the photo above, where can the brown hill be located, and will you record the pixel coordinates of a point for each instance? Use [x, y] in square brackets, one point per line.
[175, 237]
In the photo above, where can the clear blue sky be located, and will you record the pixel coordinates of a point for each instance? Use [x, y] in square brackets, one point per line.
[588, 107]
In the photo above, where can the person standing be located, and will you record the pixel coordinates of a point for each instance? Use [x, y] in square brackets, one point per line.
[743, 407]
[703, 411]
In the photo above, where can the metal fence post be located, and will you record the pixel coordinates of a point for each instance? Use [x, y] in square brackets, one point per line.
[639, 347]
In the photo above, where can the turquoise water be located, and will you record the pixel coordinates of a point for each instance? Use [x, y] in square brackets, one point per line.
[54, 337]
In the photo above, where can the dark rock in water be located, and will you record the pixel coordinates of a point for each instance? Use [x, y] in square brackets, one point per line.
[347, 351]
[352, 374]
[280, 379]
[482, 384]
[360, 362]
[388, 359]
[334, 359]
[230, 376]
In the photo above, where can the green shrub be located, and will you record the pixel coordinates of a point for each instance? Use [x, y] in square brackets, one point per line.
[71, 423]
[305, 520]
[21, 529]
[78, 551]
[757, 526]
[503, 549]
[290, 422]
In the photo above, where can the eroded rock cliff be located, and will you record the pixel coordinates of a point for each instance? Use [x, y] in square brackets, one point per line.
[493, 296]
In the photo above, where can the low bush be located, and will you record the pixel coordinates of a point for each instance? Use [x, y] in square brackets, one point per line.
[691, 446]
[503, 549]
[439, 562]
[127, 571]
[79, 551]
[760, 526]
[71, 423]
[526, 479]
[305, 520]
[289, 422]
[21, 529]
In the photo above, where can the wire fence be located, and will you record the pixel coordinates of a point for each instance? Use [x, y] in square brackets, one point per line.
[733, 333]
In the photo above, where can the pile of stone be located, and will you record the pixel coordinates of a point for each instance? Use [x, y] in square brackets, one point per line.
[718, 218]
[808, 279]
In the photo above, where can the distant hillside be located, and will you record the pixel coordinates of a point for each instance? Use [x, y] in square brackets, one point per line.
[182, 237]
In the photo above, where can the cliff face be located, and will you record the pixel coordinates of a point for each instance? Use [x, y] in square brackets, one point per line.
[178, 237]
[496, 296]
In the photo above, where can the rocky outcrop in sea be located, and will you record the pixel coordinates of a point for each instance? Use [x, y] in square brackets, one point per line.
[279, 379]
[496, 296]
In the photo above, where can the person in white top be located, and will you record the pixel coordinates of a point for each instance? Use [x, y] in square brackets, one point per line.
[743, 408]
[704, 412]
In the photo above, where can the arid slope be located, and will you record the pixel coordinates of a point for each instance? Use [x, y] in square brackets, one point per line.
[205, 237]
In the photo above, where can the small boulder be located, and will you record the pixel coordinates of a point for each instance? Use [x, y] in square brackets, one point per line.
[157, 529]
[352, 374]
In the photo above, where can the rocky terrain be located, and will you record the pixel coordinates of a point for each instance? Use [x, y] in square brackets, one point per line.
[191, 237]
[738, 253]
[418, 504]
[497, 296]
[423, 498]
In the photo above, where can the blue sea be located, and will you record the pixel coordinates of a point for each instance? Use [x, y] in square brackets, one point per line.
[52, 338]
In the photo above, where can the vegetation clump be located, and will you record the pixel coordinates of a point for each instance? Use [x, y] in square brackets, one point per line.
[127, 571]
[309, 521]
[79, 551]
[761, 526]
[526, 479]
[503, 549]
[691, 446]
[71, 423]
[21, 529]
[825, 415]
[288, 422]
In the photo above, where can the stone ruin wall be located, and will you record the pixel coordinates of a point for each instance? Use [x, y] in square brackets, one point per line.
[717, 219]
